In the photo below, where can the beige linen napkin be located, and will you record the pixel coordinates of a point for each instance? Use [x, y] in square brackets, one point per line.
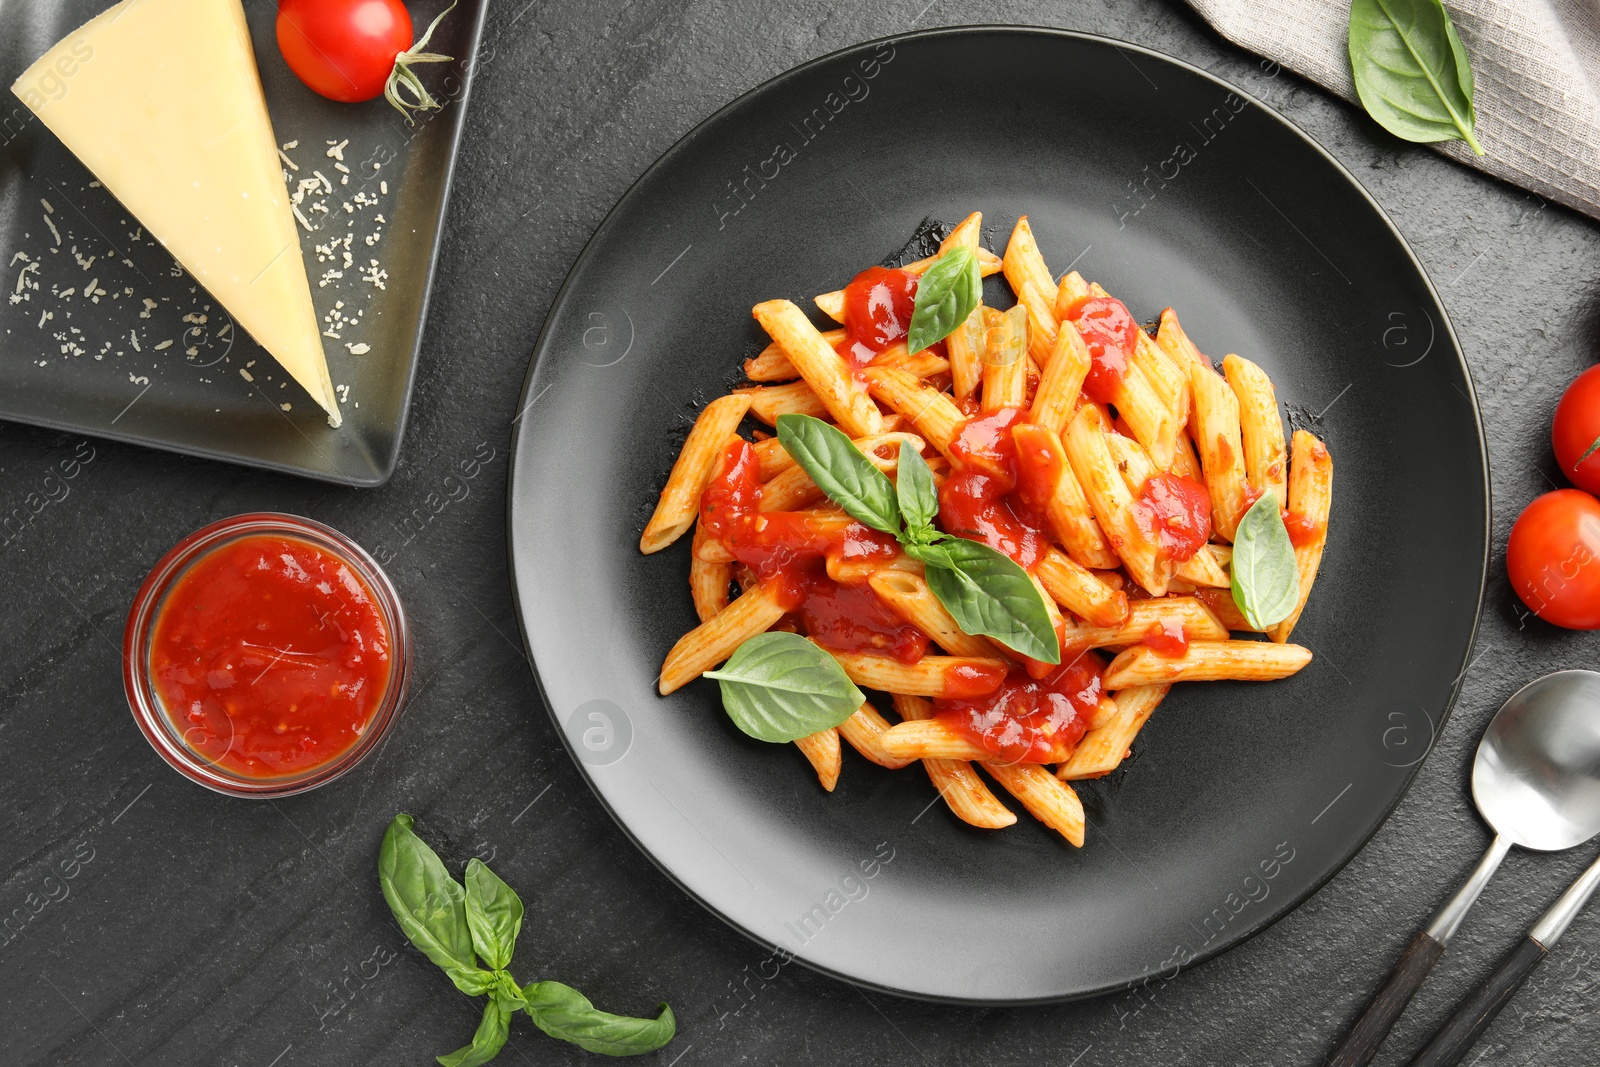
[1536, 64]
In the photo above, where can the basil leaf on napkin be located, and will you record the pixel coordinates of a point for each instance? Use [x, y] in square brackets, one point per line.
[1411, 70]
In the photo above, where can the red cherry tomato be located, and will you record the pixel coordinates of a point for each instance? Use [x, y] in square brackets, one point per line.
[1553, 559]
[343, 49]
[1576, 428]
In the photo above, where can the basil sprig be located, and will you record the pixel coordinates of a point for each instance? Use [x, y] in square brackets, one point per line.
[780, 687]
[946, 295]
[1411, 70]
[456, 925]
[985, 591]
[1266, 578]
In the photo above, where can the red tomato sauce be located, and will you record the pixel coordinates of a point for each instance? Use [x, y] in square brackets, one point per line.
[1167, 638]
[1029, 720]
[1303, 529]
[1175, 513]
[980, 499]
[1110, 333]
[270, 656]
[790, 549]
[877, 312]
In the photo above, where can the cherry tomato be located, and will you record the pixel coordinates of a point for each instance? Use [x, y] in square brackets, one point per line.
[1553, 559]
[1576, 428]
[343, 49]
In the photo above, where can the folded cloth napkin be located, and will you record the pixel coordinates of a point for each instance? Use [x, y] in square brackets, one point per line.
[1536, 64]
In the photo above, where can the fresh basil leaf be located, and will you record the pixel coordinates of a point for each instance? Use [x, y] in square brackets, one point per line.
[988, 593]
[508, 992]
[1266, 579]
[780, 687]
[840, 470]
[493, 1030]
[563, 1012]
[429, 905]
[494, 915]
[473, 981]
[915, 493]
[1411, 70]
[946, 295]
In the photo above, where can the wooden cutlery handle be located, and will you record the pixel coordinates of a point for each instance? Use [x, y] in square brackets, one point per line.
[1475, 1014]
[1361, 1043]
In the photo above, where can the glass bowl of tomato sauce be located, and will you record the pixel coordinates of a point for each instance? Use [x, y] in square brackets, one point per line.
[266, 655]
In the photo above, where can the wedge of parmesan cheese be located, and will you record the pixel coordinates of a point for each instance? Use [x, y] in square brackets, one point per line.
[162, 100]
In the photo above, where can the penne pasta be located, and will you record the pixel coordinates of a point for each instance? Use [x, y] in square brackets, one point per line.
[966, 232]
[1266, 460]
[821, 749]
[965, 348]
[1207, 661]
[1042, 325]
[1078, 590]
[1024, 263]
[1106, 745]
[772, 457]
[908, 595]
[1110, 500]
[930, 676]
[931, 413]
[864, 730]
[1216, 415]
[820, 366]
[1062, 381]
[1005, 371]
[1310, 498]
[1067, 511]
[1136, 468]
[680, 498]
[708, 580]
[772, 363]
[714, 640]
[1148, 618]
[1047, 798]
[963, 790]
[767, 402]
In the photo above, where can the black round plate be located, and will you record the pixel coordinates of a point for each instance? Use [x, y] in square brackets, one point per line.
[1166, 185]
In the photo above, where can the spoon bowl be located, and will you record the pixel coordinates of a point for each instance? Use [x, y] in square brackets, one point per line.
[1536, 778]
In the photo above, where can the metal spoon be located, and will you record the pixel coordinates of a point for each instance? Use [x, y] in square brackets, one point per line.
[1536, 781]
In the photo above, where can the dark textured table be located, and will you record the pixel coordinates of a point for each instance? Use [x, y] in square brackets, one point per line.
[200, 929]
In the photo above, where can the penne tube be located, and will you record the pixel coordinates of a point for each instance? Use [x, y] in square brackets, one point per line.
[1184, 460]
[966, 232]
[1207, 661]
[964, 791]
[767, 402]
[1223, 554]
[714, 640]
[1070, 293]
[924, 364]
[822, 750]
[1171, 339]
[1062, 381]
[930, 676]
[772, 457]
[772, 363]
[1106, 745]
[1023, 263]
[820, 366]
[1202, 569]
[965, 348]
[932, 739]
[1146, 415]
[1169, 380]
[1136, 468]
[1042, 325]
[1310, 497]
[1216, 415]
[1047, 798]
[1220, 602]
[1110, 500]
[931, 413]
[907, 594]
[708, 580]
[864, 730]
[856, 571]
[1005, 371]
[1072, 523]
[832, 304]
[1146, 618]
[680, 498]
[1077, 589]
[1266, 461]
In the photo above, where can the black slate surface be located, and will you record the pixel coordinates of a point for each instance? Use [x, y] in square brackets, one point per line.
[199, 929]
